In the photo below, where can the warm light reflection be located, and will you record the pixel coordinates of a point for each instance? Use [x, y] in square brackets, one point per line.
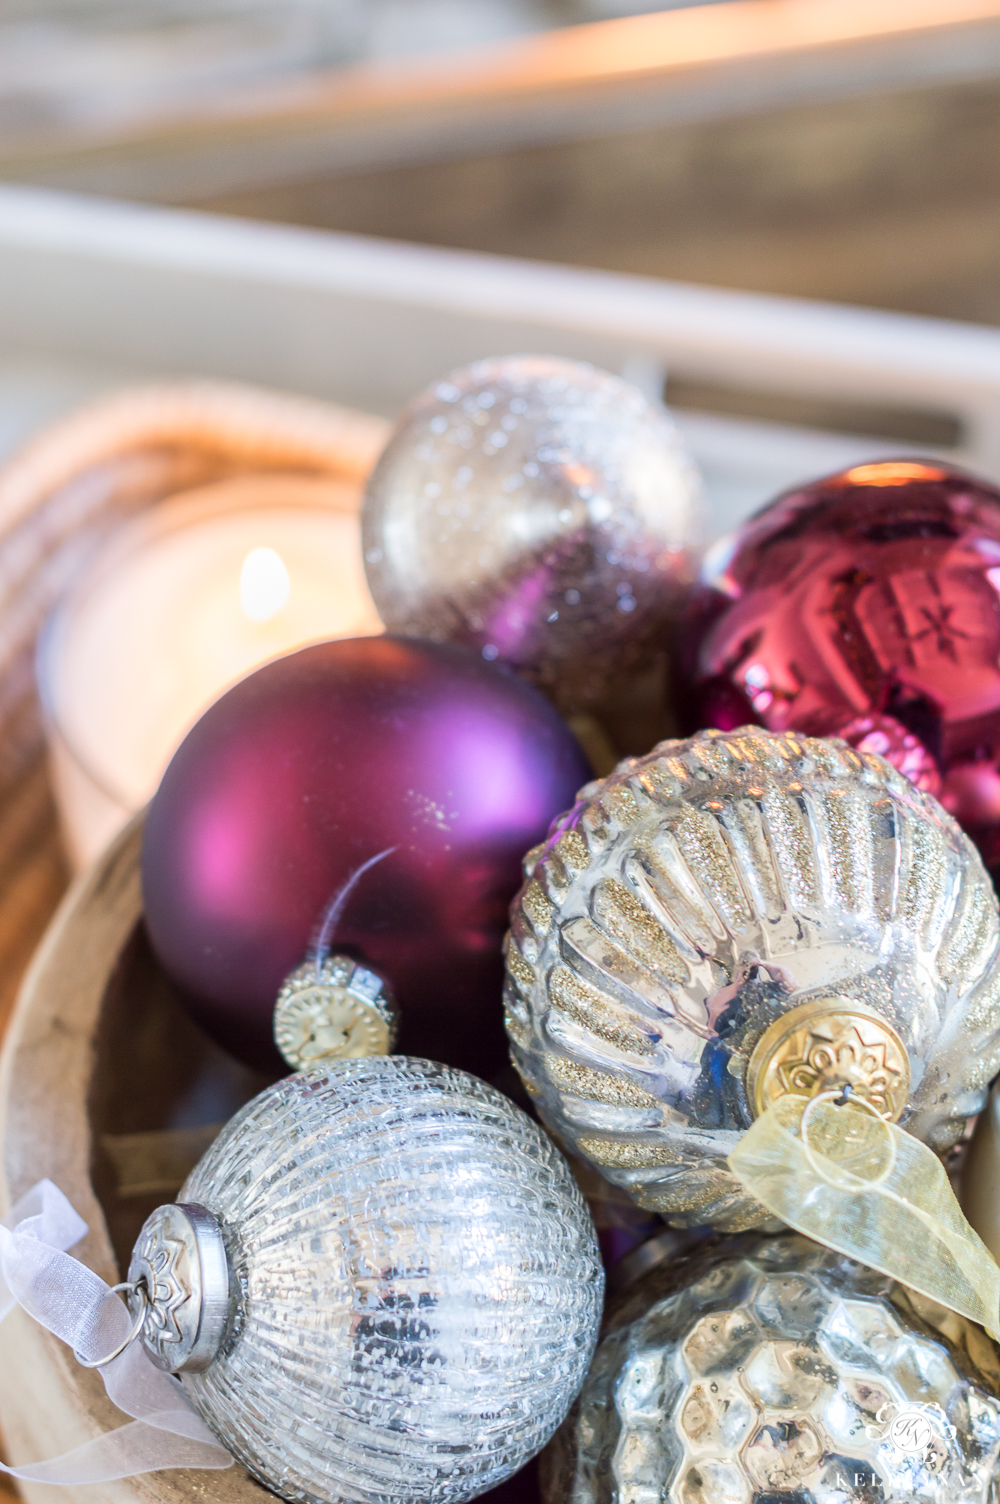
[892, 473]
[264, 584]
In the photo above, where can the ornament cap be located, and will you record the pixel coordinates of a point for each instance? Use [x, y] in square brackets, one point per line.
[827, 1044]
[180, 1259]
[336, 1010]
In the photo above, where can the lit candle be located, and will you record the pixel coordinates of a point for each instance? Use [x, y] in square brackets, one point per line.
[176, 606]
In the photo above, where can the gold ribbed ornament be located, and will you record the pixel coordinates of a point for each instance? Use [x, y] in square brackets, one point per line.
[733, 919]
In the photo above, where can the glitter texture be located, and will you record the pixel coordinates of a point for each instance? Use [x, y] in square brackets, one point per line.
[774, 1370]
[746, 873]
[418, 1285]
[538, 509]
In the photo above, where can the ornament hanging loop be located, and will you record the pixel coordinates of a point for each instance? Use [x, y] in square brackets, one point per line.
[894, 1211]
[845, 1096]
[132, 1287]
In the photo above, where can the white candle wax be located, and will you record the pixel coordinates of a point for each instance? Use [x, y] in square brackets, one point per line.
[179, 604]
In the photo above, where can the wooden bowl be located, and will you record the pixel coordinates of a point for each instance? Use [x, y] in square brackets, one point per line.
[109, 1090]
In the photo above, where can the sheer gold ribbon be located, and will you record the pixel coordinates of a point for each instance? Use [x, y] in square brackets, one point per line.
[844, 1176]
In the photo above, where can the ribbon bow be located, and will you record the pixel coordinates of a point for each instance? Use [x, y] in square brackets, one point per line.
[74, 1303]
[838, 1172]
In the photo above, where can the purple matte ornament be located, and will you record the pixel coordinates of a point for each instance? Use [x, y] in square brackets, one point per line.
[419, 771]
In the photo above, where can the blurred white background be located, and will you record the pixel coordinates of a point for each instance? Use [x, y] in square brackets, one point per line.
[105, 63]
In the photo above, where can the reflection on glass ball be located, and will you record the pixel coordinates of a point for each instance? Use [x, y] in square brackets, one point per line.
[417, 1285]
[872, 593]
[700, 895]
[773, 1371]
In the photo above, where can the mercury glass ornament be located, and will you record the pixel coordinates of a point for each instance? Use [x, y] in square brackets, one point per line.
[772, 1371]
[865, 605]
[538, 509]
[737, 917]
[381, 1283]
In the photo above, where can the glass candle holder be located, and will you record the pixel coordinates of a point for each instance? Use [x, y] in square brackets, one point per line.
[172, 608]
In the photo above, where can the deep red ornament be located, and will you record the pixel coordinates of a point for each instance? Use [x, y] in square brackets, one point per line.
[867, 606]
[446, 767]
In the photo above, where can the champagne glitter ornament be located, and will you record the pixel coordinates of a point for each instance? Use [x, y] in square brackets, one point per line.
[382, 1283]
[538, 509]
[735, 918]
[773, 1370]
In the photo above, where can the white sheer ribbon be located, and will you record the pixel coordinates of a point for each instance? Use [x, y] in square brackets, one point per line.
[75, 1304]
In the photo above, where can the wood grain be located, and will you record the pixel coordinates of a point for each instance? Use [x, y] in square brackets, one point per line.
[892, 201]
[542, 86]
[81, 1038]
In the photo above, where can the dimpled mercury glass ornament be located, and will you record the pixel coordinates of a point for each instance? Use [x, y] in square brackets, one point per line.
[771, 1371]
[739, 918]
[381, 1283]
[538, 509]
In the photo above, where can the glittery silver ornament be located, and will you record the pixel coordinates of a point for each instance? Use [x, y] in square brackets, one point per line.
[382, 1283]
[772, 1371]
[538, 509]
[733, 918]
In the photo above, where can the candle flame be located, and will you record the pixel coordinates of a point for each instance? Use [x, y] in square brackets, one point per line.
[264, 584]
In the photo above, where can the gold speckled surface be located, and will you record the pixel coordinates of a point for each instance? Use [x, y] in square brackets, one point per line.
[844, 850]
[704, 891]
[571, 849]
[707, 855]
[787, 823]
[629, 1154]
[590, 1009]
[537, 906]
[623, 914]
[581, 1081]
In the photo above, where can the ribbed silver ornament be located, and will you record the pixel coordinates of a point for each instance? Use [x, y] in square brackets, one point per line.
[415, 1285]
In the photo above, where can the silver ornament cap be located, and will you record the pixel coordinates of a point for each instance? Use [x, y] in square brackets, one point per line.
[538, 509]
[180, 1261]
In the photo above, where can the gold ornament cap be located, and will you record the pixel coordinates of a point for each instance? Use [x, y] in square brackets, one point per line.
[826, 1045]
[337, 1010]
